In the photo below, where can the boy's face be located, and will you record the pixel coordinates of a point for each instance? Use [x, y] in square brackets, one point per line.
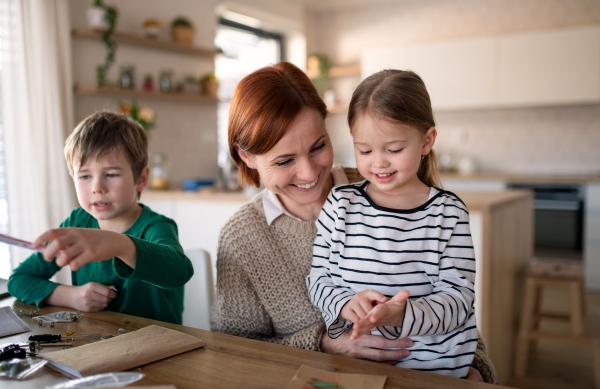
[106, 189]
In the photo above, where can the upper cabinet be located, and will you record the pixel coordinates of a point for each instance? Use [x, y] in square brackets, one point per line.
[556, 67]
[535, 69]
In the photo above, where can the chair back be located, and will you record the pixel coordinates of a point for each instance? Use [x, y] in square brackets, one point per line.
[199, 291]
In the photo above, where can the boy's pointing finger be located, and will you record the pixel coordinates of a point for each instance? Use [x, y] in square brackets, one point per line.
[46, 236]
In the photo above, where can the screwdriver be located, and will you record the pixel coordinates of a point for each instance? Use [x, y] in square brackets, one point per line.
[49, 338]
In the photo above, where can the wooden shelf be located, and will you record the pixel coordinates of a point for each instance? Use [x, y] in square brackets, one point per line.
[343, 71]
[342, 108]
[119, 92]
[136, 40]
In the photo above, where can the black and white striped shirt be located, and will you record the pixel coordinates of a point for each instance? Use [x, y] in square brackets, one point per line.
[427, 250]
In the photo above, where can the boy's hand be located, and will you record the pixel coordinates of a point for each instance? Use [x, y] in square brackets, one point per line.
[92, 297]
[390, 313]
[360, 304]
[77, 246]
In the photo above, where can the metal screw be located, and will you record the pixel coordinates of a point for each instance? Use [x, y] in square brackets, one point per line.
[121, 331]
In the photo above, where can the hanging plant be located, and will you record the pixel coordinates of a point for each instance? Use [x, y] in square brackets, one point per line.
[111, 47]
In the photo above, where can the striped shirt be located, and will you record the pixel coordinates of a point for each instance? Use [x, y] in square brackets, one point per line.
[427, 250]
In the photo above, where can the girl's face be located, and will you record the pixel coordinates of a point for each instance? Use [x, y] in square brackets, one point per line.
[388, 154]
[297, 168]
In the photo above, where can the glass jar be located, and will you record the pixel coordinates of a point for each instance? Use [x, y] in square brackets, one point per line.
[159, 179]
[126, 79]
[165, 84]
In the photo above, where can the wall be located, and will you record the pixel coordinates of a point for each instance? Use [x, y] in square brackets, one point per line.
[531, 140]
[186, 132]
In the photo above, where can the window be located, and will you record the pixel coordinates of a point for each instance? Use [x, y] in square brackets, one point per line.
[5, 268]
[246, 48]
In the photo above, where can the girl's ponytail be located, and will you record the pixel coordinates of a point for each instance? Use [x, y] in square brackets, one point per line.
[428, 171]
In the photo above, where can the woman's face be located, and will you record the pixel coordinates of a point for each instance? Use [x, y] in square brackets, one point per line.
[297, 168]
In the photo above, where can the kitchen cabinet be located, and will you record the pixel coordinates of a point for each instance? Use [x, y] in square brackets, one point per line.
[591, 236]
[554, 67]
[559, 67]
[444, 66]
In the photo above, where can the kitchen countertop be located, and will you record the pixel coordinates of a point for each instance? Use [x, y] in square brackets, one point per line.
[526, 178]
[475, 201]
[208, 194]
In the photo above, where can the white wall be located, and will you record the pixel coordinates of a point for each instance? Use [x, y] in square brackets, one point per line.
[186, 132]
[536, 140]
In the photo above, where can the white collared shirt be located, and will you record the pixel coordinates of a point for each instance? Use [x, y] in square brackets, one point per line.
[274, 208]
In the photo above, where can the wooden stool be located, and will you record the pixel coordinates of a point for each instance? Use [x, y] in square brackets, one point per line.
[566, 274]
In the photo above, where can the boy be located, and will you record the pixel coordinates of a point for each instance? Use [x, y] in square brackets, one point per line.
[123, 256]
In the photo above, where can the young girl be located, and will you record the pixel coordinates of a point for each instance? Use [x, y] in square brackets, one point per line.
[397, 234]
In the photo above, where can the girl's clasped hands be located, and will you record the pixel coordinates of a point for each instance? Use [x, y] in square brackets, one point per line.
[369, 308]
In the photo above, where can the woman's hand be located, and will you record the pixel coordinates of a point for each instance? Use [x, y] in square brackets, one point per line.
[367, 347]
[474, 375]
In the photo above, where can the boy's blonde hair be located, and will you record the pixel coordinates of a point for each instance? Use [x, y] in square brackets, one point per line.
[104, 132]
[398, 96]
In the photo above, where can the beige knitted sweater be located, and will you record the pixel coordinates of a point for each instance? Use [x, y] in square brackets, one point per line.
[261, 282]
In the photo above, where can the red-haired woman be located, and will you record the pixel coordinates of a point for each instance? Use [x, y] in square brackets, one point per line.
[277, 134]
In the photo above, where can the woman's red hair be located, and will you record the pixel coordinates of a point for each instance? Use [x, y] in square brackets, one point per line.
[263, 106]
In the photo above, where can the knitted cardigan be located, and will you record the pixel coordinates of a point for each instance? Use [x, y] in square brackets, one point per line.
[261, 282]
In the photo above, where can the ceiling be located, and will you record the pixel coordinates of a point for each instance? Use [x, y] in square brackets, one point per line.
[333, 5]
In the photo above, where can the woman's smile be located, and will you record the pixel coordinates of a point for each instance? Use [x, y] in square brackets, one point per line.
[307, 186]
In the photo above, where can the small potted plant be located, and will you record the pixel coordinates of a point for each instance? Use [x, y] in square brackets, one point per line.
[191, 85]
[95, 16]
[143, 115]
[210, 85]
[152, 28]
[182, 30]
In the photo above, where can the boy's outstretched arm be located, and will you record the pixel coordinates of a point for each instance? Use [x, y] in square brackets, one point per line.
[91, 297]
[156, 257]
[76, 247]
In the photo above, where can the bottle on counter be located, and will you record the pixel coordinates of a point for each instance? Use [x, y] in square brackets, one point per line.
[159, 179]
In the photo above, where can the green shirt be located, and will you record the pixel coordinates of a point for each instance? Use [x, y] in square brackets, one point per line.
[154, 289]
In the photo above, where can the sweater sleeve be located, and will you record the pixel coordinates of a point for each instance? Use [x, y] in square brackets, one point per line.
[239, 311]
[323, 292]
[450, 304]
[160, 260]
[30, 281]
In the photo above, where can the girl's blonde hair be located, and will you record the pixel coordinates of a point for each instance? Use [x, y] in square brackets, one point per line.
[398, 96]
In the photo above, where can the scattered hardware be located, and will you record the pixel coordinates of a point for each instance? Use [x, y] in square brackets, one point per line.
[12, 351]
[69, 333]
[107, 337]
[42, 324]
[61, 317]
[121, 331]
[31, 313]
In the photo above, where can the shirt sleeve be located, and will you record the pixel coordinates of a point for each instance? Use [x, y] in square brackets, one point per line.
[450, 304]
[323, 292]
[30, 281]
[160, 260]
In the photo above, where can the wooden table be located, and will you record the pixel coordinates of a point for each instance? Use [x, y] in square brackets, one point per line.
[225, 362]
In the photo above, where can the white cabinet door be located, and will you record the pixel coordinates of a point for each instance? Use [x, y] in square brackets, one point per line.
[555, 67]
[591, 244]
[457, 74]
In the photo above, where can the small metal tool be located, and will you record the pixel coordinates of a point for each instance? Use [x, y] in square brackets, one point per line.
[42, 324]
[121, 331]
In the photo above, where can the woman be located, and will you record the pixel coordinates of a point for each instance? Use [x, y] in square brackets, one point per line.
[277, 134]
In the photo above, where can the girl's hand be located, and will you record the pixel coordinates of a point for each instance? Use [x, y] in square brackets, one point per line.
[360, 304]
[390, 313]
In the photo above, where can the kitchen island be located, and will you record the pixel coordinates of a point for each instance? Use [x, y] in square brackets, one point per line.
[501, 226]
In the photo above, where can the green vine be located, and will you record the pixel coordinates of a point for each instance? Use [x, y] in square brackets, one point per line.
[111, 47]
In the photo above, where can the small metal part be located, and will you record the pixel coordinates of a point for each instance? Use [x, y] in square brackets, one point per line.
[107, 337]
[42, 324]
[57, 344]
[91, 337]
[121, 331]
[69, 333]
